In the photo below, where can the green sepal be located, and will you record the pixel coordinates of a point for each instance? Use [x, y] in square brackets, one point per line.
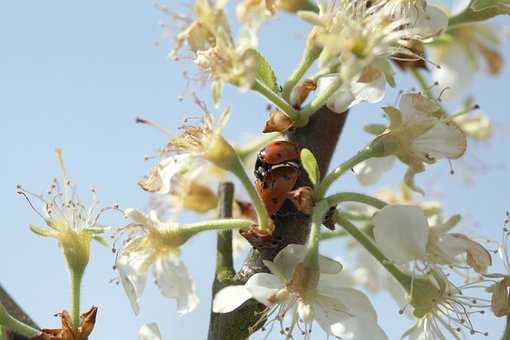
[40, 231]
[265, 73]
[101, 241]
[374, 129]
[310, 165]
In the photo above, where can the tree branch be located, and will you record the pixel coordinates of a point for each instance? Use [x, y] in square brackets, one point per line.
[225, 326]
[321, 136]
[15, 311]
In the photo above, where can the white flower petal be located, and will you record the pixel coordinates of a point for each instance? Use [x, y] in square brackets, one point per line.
[370, 171]
[288, 257]
[443, 140]
[356, 302]
[133, 276]
[170, 167]
[345, 318]
[401, 232]
[371, 92]
[431, 23]
[174, 281]
[263, 286]
[229, 298]
[358, 328]
[149, 331]
[415, 106]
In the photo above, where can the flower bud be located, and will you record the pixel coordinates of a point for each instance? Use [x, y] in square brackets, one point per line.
[278, 122]
[303, 199]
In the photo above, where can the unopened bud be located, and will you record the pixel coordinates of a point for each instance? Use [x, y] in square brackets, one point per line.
[302, 91]
[303, 199]
[278, 122]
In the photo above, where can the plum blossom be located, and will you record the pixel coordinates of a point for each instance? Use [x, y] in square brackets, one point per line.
[214, 50]
[417, 134]
[404, 235]
[152, 242]
[358, 38]
[186, 157]
[304, 295]
[443, 310]
[69, 221]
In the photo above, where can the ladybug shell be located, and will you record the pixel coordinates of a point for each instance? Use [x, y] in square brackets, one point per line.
[279, 152]
[273, 189]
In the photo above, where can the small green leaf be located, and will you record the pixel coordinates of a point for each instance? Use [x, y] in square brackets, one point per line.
[265, 73]
[374, 129]
[102, 241]
[310, 165]
[40, 231]
[479, 10]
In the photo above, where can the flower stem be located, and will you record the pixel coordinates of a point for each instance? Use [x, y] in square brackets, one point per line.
[76, 277]
[218, 224]
[321, 99]
[274, 98]
[14, 325]
[240, 172]
[367, 243]
[310, 54]
[312, 255]
[356, 197]
[361, 156]
[421, 81]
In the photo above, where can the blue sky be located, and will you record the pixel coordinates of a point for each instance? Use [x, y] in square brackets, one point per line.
[75, 75]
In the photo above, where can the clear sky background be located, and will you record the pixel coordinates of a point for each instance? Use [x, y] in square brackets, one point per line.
[76, 74]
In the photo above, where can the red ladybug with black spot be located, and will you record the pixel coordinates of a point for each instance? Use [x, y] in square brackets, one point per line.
[277, 170]
[275, 154]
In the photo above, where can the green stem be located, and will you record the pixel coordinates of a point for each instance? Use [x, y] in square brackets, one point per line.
[355, 197]
[218, 224]
[421, 82]
[361, 156]
[76, 277]
[10, 323]
[274, 98]
[506, 334]
[240, 172]
[310, 54]
[367, 243]
[320, 99]
[255, 145]
[312, 255]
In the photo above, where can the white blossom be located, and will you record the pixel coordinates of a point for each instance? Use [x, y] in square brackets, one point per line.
[305, 296]
[404, 235]
[158, 246]
[418, 134]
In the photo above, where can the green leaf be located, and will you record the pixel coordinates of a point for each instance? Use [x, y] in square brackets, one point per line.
[310, 165]
[479, 10]
[40, 231]
[264, 72]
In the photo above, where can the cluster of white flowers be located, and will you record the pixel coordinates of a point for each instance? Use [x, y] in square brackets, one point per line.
[402, 245]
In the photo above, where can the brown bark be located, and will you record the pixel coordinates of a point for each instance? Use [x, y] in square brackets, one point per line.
[321, 136]
[16, 311]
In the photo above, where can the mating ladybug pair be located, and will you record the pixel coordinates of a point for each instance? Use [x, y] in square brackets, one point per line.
[277, 170]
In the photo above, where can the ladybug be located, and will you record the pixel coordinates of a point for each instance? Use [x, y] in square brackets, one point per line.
[275, 185]
[276, 154]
